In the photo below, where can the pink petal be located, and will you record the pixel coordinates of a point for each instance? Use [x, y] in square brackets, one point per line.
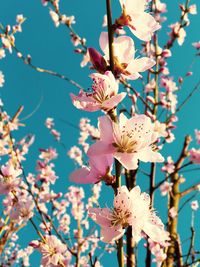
[101, 164]
[144, 25]
[134, 6]
[106, 129]
[156, 233]
[100, 148]
[122, 199]
[84, 176]
[113, 101]
[140, 65]
[110, 234]
[147, 155]
[101, 216]
[85, 102]
[128, 160]
[103, 42]
[124, 49]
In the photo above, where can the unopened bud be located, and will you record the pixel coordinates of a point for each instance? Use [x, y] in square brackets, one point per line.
[97, 60]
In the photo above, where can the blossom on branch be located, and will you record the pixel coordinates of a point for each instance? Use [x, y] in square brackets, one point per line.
[100, 168]
[104, 94]
[124, 53]
[130, 208]
[129, 141]
[142, 24]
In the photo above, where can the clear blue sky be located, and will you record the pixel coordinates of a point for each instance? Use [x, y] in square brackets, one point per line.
[51, 48]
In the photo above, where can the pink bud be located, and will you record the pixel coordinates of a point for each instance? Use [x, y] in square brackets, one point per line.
[189, 73]
[97, 60]
[180, 79]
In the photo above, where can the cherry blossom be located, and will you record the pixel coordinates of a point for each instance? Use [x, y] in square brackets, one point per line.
[99, 170]
[165, 188]
[52, 249]
[169, 166]
[76, 154]
[130, 208]
[173, 212]
[129, 141]
[2, 80]
[178, 31]
[8, 178]
[124, 52]
[54, 17]
[197, 135]
[195, 155]
[2, 53]
[194, 205]
[141, 24]
[196, 45]
[104, 94]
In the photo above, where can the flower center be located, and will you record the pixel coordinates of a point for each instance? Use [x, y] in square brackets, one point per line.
[99, 91]
[120, 217]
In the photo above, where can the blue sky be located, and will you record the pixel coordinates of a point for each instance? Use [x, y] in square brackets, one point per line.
[51, 48]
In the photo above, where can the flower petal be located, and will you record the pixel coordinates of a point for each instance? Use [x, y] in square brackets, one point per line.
[128, 160]
[106, 129]
[113, 101]
[144, 25]
[109, 234]
[100, 148]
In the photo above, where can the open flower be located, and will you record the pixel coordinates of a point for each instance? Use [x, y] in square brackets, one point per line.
[130, 208]
[99, 170]
[128, 141]
[142, 24]
[52, 249]
[104, 94]
[124, 53]
[8, 178]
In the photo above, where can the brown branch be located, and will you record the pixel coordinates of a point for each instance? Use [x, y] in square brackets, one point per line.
[190, 189]
[29, 63]
[174, 249]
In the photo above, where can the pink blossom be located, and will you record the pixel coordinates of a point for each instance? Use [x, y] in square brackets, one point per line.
[44, 2]
[149, 87]
[2, 53]
[49, 123]
[20, 18]
[124, 52]
[169, 166]
[172, 212]
[196, 45]
[130, 208]
[23, 209]
[52, 249]
[160, 128]
[54, 17]
[2, 80]
[142, 24]
[165, 188]
[76, 154]
[8, 178]
[194, 205]
[56, 134]
[86, 60]
[195, 155]
[7, 43]
[68, 20]
[178, 31]
[158, 252]
[104, 95]
[129, 141]
[197, 135]
[48, 154]
[100, 168]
